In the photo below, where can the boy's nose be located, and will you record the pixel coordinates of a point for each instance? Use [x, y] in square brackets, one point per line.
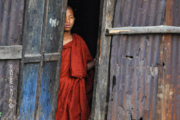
[67, 19]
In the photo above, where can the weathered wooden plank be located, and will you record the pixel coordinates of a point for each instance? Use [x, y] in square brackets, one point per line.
[32, 36]
[163, 29]
[11, 52]
[51, 57]
[28, 94]
[30, 58]
[47, 90]
[52, 38]
[102, 65]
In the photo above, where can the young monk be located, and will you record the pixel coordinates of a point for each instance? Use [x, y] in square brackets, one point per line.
[74, 90]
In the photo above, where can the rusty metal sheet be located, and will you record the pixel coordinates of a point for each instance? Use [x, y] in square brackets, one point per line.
[11, 17]
[144, 69]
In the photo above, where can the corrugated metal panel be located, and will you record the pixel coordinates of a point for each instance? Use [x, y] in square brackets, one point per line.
[11, 17]
[169, 76]
[144, 69]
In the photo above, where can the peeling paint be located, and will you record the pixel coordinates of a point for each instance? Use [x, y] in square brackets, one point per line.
[171, 93]
[167, 91]
[160, 96]
[53, 22]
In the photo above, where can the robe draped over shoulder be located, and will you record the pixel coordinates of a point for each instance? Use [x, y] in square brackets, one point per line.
[75, 88]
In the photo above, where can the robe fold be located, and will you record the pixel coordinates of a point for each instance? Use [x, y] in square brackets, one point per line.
[75, 87]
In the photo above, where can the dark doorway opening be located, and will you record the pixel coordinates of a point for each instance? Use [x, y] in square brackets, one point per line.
[86, 24]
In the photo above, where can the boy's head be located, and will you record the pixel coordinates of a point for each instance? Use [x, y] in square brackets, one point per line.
[69, 22]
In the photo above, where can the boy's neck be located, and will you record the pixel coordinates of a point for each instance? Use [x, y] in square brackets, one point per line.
[67, 35]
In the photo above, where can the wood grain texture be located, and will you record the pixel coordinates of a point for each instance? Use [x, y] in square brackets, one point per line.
[52, 56]
[99, 107]
[11, 52]
[30, 58]
[32, 35]
[51, 48]
[29, 87]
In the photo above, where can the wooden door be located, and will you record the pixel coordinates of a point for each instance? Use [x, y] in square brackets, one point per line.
[40, 67]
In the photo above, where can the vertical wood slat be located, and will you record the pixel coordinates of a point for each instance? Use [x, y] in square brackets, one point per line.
[53, 30]
[102, 65]
[32, 35]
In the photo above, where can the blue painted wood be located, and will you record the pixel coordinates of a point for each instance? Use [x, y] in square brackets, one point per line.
[44, 22]
[32, 39]
[33, 26]
[52, 43]
[29, 86]
[47, 84]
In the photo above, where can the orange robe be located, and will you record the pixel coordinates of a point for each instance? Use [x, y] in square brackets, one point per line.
[75, 88]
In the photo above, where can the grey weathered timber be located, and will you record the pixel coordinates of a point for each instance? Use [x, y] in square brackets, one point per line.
[163, 29]
[30, 58]
[32, 35]
[51, 57]
[35, 58]
[11, 52]
[102, 64]
[49, 74]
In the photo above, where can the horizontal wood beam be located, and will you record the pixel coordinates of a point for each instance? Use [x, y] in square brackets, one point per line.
[32, 58]
[48, 57]
[51, 57]
[11, 52]
[162, 29]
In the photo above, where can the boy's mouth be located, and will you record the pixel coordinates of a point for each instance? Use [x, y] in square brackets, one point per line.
[68, 26]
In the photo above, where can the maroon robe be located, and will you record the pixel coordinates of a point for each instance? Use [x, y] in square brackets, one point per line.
[75, 88]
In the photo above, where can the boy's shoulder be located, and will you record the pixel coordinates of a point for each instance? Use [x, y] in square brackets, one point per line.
[78, 37]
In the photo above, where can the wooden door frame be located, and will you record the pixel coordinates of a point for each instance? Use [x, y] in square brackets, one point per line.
[100, 89]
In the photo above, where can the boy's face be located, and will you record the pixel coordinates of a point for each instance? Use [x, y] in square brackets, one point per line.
[69, 22]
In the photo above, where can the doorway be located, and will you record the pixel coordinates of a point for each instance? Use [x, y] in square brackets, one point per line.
[86, 24]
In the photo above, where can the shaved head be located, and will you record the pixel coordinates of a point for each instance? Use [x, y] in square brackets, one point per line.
[70, 8]
[69, 22]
